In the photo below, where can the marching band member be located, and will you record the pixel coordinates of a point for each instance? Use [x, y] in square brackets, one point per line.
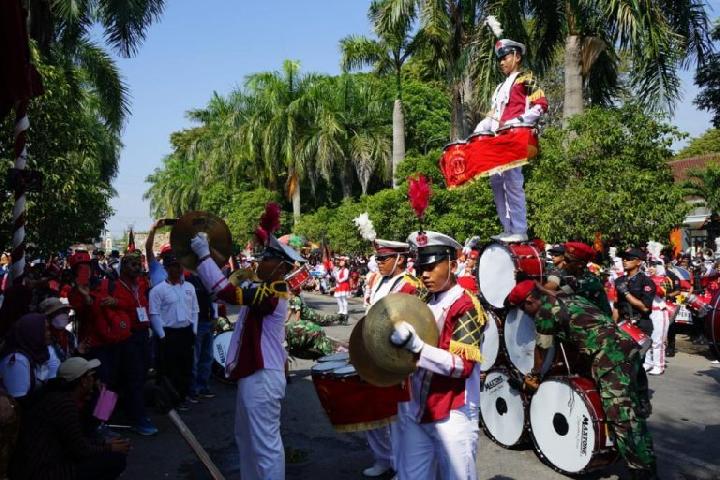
[655, 356]
[614, 357]
[438, 427]
[468, 278]
[341, 274]
[516, 101]
[391, 258]
[256, 356]
[579, 280]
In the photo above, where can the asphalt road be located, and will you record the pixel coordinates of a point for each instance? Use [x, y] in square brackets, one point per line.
[685, 426]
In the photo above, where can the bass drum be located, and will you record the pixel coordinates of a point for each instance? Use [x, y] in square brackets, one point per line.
[568, 426]
[519, 341]
[502, 264]
[503, 410]
[492, 340]
[712, 325]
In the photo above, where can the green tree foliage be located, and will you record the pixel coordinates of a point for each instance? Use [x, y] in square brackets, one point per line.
[606, 172]
[708, 142]
[707, 77]
[77, 155]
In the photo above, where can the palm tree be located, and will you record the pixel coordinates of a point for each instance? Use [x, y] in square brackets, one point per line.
[705, 184]
[387, 55]
[280, 121]
[657, 38]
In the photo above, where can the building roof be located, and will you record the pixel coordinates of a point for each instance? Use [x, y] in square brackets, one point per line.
[681, 166]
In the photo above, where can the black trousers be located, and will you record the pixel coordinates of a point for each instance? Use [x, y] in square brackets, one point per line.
[104, 466]
[176, 358]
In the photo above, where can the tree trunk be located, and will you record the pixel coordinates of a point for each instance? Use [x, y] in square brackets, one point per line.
[457, 129]
[346, 180]
[296, 204]
[398, 153]
[574, 103]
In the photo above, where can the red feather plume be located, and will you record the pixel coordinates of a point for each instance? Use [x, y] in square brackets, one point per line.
[269, 222]
[419, 194]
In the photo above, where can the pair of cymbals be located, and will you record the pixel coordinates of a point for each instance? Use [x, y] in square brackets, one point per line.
[192, 223]
[374, 356]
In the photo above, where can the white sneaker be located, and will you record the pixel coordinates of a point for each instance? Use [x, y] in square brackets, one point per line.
[655, 371]
[513, 238]
[376, 470]
[647, 367]
[500, 235]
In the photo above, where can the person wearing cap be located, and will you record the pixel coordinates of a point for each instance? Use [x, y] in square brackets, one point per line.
[256, 356]
[173, 309]
[341, 274]
[52, 443]
[578, 279]
[516, 101]
[655, 356]
[63, 342]
[438, 427]
[613, 355]
[391, 257]
[468, 278]
[556, 271]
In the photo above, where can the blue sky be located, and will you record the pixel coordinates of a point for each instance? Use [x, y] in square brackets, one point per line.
[201, 47]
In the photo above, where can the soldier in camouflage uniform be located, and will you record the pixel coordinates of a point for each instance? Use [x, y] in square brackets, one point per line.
[614, 355]
[303, 332]
[579, 280]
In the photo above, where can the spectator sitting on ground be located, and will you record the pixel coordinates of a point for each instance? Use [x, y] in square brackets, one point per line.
[51, 443]
[26, 362]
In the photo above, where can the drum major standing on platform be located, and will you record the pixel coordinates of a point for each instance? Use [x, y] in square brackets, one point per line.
[516, 101]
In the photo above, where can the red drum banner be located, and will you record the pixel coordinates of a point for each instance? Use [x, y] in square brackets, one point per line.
[485, 155]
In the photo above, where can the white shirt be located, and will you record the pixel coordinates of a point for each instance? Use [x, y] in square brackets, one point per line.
[16, 375]
[173, 306]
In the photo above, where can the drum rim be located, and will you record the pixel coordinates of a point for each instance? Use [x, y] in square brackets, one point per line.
[597, 455]
[524, 437]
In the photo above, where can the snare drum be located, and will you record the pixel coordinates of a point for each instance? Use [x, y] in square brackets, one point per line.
[639, 337]
[492, 339]
[298, 278]
[519, 342]
[503, 410]
[568, 426]
[502, 264]
[352, 404]
[453, 162]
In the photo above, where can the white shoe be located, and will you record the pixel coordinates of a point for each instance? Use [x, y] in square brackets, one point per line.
[513, 238]
[376, 470]
[647, 367]
[655, 371]
[499, 236]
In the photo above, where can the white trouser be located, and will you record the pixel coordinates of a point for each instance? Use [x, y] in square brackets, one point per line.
[342, 304]
[655, 356]
[379, 440]
[446, 450]
[257, 425]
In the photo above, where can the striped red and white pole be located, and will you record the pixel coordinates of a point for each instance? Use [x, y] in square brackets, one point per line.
[22, 124]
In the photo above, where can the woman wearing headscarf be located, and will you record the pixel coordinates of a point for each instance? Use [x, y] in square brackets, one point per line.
[26, 362]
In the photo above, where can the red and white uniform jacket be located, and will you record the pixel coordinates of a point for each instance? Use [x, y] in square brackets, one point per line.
[342, 279]
[257, 341]
[518, 98]
[661, 289]
[384, 286]
[445, 381]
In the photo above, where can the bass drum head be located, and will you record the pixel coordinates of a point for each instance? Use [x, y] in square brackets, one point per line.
[221, 344]
[502, 410]
[496, 274]
[491, 343]
[519, 338]
[562, 427]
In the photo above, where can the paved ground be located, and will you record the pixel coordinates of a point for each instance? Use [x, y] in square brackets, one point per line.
[685, 425]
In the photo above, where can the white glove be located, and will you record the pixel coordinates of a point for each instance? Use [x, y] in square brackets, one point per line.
[200, 246]
[404, 336]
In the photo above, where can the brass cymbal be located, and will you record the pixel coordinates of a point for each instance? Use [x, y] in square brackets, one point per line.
[364, 365]
[379, 324]
[190, 225]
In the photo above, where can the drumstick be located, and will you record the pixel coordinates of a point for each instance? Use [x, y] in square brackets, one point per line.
[195, 445]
